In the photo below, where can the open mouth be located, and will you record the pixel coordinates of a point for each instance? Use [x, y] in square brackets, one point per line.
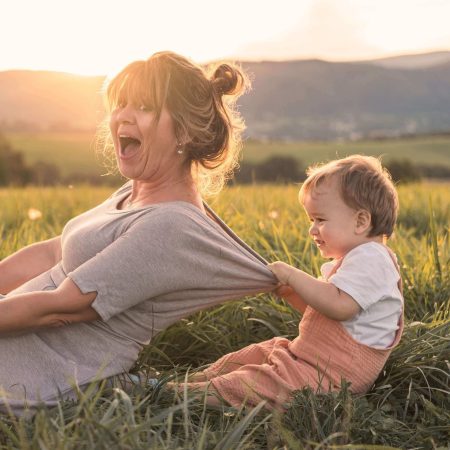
[129, 145]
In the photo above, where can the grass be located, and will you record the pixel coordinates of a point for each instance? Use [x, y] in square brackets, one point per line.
[408, 406]
[74, 152]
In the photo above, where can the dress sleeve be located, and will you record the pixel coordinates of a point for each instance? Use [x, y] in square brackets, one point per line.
[159, 254]
[367, 275]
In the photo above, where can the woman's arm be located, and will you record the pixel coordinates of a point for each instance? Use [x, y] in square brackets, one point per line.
[28, 262]
[321, 295]
[42, 309]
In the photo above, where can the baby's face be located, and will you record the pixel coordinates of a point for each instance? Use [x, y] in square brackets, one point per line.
[333, 223]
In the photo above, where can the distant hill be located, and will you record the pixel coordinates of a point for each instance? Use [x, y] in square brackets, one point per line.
[308, 99]
[318, 99]
[49, 100]
[417, 61]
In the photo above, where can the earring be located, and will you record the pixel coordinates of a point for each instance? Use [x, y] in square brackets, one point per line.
[180, 151]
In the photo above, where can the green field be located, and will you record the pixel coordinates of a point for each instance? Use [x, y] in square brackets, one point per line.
[70, 152]
[75, 152]
[408, 407]
[426, 150]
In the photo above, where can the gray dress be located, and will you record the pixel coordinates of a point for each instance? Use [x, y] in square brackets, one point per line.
[150, 267]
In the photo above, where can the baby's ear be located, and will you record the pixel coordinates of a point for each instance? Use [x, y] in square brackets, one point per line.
[363, 221]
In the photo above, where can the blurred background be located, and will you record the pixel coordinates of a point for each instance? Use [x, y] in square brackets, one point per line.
[330, 78]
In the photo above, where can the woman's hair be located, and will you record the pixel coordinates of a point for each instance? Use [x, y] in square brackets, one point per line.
[364, 184]
[201, 103]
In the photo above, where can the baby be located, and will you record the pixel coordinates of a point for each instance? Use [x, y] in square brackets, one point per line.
[353, 314]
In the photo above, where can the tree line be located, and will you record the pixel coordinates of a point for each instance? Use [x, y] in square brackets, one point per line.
[287, 169]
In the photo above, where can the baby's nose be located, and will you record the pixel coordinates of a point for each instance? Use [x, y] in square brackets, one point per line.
[312, 229]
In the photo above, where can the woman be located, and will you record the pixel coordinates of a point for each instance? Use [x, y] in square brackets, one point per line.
[82, 305]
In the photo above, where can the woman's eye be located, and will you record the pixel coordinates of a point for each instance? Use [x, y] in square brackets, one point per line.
[144, 108]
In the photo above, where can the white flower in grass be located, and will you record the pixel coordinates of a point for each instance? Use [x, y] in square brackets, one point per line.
[34, 214]
[273, 214]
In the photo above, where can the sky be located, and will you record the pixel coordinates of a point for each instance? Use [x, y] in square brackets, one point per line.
[91, 37]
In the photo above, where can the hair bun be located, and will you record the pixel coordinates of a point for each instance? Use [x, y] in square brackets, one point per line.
[228, 80]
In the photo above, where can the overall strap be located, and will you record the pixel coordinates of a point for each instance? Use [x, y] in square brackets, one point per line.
[335, 268]
[394, 260]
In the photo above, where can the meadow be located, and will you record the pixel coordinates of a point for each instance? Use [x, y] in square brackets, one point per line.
[73, 152]
[408, 407]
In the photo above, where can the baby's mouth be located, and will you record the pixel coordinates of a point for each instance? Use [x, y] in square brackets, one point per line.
[129, 145]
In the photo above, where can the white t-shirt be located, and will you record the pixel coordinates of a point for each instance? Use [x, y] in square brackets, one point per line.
[369, 276]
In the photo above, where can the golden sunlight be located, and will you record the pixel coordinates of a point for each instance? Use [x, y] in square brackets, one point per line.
[98, 37]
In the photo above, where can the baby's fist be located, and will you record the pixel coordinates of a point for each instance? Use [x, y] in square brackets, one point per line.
[281, 270]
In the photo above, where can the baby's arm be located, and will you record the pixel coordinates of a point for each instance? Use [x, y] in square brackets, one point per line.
[321, 295]
[288, 294]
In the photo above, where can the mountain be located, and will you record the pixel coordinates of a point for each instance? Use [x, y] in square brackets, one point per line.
[320, 100]
[307, 99]
[49, 100]
[417, 61]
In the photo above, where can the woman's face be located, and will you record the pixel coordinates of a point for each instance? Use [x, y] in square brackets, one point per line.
[145, 149]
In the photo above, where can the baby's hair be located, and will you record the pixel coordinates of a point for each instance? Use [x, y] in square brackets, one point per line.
[364, 184]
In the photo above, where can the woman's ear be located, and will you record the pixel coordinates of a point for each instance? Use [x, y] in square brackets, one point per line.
[363, 221]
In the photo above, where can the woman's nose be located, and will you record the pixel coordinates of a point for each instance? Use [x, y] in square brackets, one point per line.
[125, 114]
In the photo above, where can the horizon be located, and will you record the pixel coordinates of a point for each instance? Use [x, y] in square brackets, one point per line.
[100, 37]
[312, 58]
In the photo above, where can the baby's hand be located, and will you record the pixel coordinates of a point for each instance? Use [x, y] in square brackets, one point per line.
[281, 270]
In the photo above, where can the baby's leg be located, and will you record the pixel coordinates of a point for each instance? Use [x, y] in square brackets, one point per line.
[252, 354]
[202, 388]
[198, 377]
[247, 386]
[272, 380]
